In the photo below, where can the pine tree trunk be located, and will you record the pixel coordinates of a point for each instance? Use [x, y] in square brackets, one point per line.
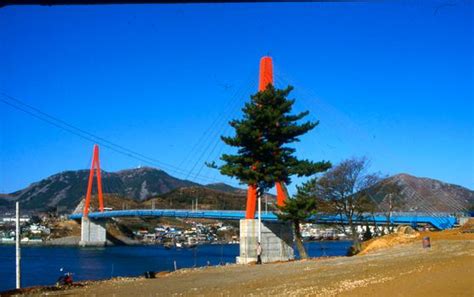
[299, 240]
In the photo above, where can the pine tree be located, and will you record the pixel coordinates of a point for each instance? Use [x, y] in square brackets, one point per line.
[262, 137]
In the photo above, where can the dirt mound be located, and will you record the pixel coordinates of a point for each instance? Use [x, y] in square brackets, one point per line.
[406, 234]
[61, 229]
[468, 227]
[405, 230]
[403, 235]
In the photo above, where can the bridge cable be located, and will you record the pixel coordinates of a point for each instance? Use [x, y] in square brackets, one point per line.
[215, 134]
[454, 204]
[223, 131]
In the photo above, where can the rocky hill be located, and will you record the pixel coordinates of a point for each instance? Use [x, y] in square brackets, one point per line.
[146, 182]
[5, 202]
[149, 187]
[67, 188]
[207, 198]
[423, 194]
[225, 188]
[181, 198]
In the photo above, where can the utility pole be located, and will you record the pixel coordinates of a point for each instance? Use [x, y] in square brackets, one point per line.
[259, 216]
[18, 251]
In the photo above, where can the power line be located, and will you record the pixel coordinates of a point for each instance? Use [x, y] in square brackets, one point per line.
[208, 152]
[76, 128]
[205, 146]
[63, 125]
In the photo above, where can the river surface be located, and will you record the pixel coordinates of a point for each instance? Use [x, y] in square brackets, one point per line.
[41, 265]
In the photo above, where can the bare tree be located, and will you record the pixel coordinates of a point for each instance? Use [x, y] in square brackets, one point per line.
[346, 190]
[390, 202]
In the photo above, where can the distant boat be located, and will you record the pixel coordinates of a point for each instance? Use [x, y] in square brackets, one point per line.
[179, 245]
[190, 245]
[168, 245]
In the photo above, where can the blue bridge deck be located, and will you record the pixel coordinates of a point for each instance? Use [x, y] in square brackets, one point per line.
[441, 221]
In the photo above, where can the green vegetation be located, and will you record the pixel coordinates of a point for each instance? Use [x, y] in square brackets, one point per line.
[262, 136]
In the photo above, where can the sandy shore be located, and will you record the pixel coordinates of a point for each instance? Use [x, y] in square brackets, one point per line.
[446, 269]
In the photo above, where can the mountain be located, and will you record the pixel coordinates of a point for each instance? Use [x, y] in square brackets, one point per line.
[180, 198]
[5, 201]
[149, 186]
[145, 182]
[207, 198]
[67, 188]
[423, 194]
[225, 188]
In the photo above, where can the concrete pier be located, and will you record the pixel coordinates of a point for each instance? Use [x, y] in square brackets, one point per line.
[93, 232]
[277, 241]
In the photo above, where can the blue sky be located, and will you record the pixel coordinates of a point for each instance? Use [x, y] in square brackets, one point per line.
[392, 81]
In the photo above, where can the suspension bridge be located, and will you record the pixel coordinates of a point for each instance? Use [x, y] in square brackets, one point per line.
[277, 235]
[93, 221]
[440, 221]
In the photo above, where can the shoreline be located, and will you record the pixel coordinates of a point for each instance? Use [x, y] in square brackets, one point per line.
[398, 258]
[408, 270]
[73, 241]
[158, 274]
[147, 258]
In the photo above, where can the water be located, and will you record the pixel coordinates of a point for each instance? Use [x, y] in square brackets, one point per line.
[41, 265]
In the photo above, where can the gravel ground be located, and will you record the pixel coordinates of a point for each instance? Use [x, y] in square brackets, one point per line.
[446, 269]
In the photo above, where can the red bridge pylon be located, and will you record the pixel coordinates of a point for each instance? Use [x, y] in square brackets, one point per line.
[265, 78]
[94, 166]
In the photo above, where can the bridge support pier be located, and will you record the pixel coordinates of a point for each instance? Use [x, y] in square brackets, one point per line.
[277, 241]
[93, 232]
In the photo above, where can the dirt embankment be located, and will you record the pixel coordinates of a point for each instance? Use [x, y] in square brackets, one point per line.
[406, 235]
[401, 236]
[60, 229]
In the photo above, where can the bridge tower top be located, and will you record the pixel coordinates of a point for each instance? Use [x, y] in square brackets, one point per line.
[266, 73]
[95, 166]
